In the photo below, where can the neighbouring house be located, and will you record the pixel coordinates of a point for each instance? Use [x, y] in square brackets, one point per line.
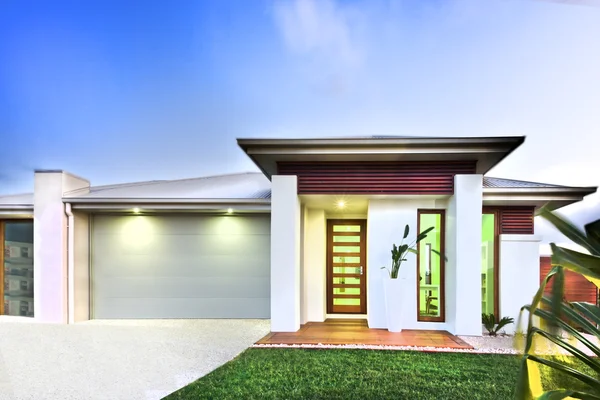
[304, 240]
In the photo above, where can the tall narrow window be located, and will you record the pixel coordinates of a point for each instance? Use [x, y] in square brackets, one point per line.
[430, 266]
[488, 263]
[16, 259]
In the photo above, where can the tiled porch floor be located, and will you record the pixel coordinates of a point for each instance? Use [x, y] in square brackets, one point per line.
[353, 331]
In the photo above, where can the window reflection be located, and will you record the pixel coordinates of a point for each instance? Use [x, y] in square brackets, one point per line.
[17, 272]
[431, 266]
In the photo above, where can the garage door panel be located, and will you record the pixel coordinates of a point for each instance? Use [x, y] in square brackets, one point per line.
[184, 244]
[190, 266]
[183, 224]
[186, 287]
[185, 308]
[160, 261]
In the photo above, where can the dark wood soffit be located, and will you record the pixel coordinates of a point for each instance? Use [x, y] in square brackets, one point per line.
[419, 177]
[514, 220]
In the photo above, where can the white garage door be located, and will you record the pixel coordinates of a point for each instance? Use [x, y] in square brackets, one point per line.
[185, 266]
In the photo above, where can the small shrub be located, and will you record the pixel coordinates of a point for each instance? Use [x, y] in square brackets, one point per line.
[489, 322]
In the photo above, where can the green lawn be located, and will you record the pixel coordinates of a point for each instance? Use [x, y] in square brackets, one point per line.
[357, 374]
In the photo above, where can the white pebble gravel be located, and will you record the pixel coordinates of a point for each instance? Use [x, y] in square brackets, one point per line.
[125, 359]
[429, 349]
[484, 344]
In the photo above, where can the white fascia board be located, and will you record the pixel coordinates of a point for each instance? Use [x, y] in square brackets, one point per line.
[20, 208]
[146, 200]
[520, 238]
[194, 207]
[573, 191]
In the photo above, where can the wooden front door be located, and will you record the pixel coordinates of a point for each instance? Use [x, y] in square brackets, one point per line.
[346, 266]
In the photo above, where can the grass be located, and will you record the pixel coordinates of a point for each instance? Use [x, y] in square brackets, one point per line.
[357, 374]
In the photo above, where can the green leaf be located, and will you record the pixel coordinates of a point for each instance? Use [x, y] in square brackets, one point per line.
[403, 249]
[503, 322]
[590, 311]
[557, 291]
[564, 393]
[439, 254]
[592, 230]
[532, 308]
[560, 314]
[589, 361]
[570, 230]
[588, 380]
[489, 322]
[524, 390]
[581, 316]
[406, 230]
[423, 234]
[584, 264]
[548, 316]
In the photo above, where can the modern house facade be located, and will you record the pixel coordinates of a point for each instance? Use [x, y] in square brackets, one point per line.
[304, 240]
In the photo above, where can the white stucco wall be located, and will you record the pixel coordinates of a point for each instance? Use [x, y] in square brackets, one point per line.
[385, 226]
[81, 269]
[303, 217]
[315, 247]
[451, 276]
[465, 281]
[285, 254]
[519, 275]
[50, 243]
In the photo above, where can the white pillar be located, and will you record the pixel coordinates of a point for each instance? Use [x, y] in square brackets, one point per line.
[50, 243]
[519, 275]
[464, 262]
[315, 254]
[80, 303]
[285, 254]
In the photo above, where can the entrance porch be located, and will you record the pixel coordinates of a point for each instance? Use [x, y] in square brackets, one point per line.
[356, 331]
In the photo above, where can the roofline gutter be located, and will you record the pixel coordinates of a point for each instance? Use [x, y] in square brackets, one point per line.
[70, 263]
[244, 143]
[18, 208]
[372, 150]
[157, 201]
[575, 191]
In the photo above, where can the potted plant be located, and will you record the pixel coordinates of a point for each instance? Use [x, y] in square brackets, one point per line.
[394, 288]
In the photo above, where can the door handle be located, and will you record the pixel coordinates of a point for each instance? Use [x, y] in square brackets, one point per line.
[359, 270]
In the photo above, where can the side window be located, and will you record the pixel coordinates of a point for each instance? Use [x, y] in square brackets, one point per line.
[430, 266]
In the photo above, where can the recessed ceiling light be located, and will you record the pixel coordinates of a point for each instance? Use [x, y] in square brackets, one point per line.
[230, 210]
[341, 204]
[136, 210]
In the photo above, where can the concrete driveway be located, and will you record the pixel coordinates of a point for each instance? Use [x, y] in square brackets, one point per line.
[126, 359]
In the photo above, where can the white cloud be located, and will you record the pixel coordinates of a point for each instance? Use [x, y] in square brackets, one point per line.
[326, 34]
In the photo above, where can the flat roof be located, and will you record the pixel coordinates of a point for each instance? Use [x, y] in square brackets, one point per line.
[485, 151]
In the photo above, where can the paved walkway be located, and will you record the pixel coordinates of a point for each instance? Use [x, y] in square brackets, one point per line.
[129, 359]
[356, 331]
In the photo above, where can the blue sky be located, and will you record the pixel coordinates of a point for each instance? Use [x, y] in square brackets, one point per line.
[121, 91]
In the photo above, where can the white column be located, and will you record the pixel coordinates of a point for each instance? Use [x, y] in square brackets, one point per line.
[50, 243]
[465, 261]
[285, 254]
[80, 304]
[519, 275]
[315, 249]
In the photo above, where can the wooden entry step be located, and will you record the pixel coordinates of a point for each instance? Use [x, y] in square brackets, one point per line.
[356, 331]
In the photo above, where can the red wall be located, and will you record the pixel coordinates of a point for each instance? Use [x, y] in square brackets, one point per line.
[577, 288]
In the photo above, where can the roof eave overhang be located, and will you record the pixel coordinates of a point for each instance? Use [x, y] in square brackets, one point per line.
[168, 205]
[16, 210]
[554, 198]
[488, 151]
